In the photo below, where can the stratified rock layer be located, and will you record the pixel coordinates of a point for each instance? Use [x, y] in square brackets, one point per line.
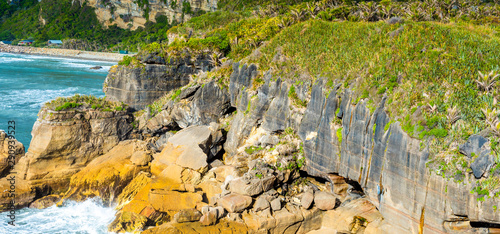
[130, 14]
[142, 85]
[389, 165]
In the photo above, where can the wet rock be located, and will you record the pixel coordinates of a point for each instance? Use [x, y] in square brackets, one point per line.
[324, 200]
[187, 215]
[235, 203]
[96, 68]
[45, 202]
[127, 222]
[473, 145]
[482, 164]
[130, 191]
[307, 199]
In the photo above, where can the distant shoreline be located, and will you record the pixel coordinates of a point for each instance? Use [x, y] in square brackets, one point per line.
[62, 53]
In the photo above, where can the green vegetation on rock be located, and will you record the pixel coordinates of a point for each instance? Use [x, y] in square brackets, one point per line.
[84, 102]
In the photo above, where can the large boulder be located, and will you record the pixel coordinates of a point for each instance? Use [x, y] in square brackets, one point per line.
[235, 203]
[252, 187]
[208, 104]
[473, 145]
[345, 217]
[324, 200]
[307, 199]
[189, 148]
[482, 163]
[187, 215]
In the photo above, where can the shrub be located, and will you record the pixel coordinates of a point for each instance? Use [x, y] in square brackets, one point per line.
[68, 105]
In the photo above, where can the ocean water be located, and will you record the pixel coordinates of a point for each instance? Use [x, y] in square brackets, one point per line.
[88, 217]
[27, 82]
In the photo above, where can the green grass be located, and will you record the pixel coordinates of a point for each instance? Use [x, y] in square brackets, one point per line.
[68, 105]
[431, 58]
[84, 102]
[252, 149]
[293, 95]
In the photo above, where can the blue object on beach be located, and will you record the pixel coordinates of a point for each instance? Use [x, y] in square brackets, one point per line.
[123, 51]
[54, 42]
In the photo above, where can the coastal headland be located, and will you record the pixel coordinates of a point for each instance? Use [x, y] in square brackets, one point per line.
[63, 53]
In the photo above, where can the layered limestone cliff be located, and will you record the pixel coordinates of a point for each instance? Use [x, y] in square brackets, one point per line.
[132, 14]
[389, 165]
[139, 86]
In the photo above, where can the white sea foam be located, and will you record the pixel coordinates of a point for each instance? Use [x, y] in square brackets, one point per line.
[89, 217]
[13, 59]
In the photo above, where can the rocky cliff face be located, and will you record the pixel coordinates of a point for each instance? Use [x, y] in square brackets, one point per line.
[133, 14]
[63, 143]
[139, 86]
[389, 165]
[228, 169]
[10, 153]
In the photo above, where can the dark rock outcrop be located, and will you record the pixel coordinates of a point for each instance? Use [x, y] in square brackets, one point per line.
[142, 85]
[482, 163]
[473, 145]
[208, 104]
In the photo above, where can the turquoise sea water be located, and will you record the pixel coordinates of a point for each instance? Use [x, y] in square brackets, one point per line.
[27, 82]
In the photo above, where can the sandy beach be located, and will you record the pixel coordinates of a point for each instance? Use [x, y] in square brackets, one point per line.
[64, 53]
